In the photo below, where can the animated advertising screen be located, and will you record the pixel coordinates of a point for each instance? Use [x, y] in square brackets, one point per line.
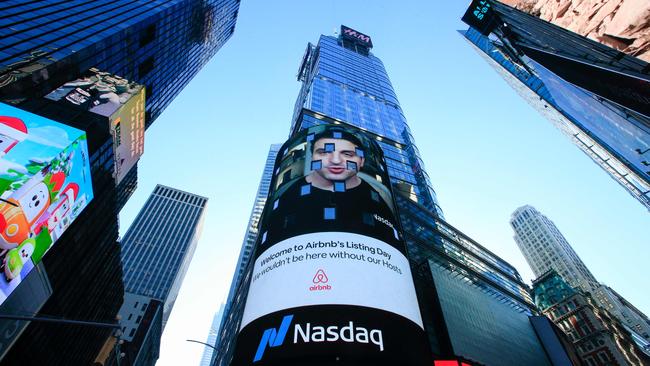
[331, 280]
[117, 99]
[45, 183]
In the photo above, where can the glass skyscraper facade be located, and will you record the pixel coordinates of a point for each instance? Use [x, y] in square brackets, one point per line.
[159, 245]
[597, 96]
[44, 44]
[345, 82]
[474, 305]
[161, 44]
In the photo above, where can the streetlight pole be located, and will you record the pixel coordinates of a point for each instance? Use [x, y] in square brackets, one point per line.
[115, 326]
[203, 343]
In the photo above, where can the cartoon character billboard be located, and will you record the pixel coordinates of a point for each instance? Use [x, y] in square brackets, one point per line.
[331, 280]
[45, 183]
[121, 101]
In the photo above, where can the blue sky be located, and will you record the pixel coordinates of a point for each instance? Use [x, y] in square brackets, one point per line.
[487, 152]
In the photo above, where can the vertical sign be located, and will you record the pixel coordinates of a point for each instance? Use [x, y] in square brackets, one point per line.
[331, 280]
[480, 16]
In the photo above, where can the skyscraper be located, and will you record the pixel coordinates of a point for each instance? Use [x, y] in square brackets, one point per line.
[546, 249]
[208, 352]
[465, 291]
[159, 245]
[46, 44]
[161, 44]
[252, 228]
[597, 96]
[227, 329]
[156, 253]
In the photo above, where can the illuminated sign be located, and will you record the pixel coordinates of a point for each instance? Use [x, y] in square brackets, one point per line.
[121, 101]
[480, 16]
[359, 37]
[45, 183]
[330, 274]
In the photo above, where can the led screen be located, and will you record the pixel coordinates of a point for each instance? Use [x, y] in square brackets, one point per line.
[480, 16]
[331, 279]
[121, 101]
[45, 183]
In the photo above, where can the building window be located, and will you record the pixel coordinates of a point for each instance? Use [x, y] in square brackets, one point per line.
[148, 35]
[144, 307]
[136, 304]
[132, 332]
[130, 316]
[137, 321]
[145, 67]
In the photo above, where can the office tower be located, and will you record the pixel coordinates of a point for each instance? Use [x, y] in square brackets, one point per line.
[159, 245]
[213, 335]
[250, 237]
[475, 306]
[44, 45]
[623, 27]
[546, 249]
[598, 337]
[156, 253]
[161, 44]
[597, 96]
[252, 228]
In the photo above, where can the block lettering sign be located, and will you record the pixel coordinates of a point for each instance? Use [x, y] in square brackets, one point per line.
[480, 15]
[331, 280]
[356, 36]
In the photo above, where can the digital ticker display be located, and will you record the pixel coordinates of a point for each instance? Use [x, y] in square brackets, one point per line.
[331, 280]
[45, 184]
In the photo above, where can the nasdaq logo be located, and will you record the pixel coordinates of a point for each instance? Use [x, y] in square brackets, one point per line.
[273, 337]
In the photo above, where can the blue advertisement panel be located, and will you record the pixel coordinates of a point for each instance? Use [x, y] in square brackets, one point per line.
[45, 183]
[331, 280]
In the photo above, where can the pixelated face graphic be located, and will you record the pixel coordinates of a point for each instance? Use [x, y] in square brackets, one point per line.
[26, 252]
[6, 143]
[339, 159]
[35, 202]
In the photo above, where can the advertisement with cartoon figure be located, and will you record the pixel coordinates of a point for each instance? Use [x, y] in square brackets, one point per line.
[121, 101]
[45, 183]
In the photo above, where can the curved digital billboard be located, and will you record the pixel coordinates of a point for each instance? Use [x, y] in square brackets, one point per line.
[331, 280]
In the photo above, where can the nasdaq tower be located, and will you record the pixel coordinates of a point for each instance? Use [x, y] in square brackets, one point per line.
[465, 292]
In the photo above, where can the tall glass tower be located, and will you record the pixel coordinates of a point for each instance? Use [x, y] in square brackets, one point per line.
[474, 305]
[597, 96]
[161, 44]
[342, 80]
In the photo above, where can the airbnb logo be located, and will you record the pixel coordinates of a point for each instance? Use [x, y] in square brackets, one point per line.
[320, 277]
[320, 281]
